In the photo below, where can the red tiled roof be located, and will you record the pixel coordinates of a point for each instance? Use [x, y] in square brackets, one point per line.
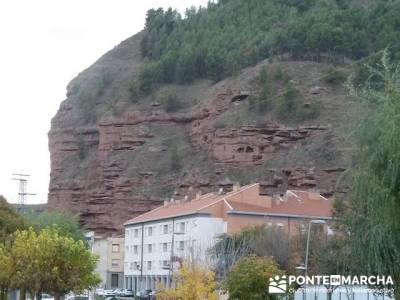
[171, 210]
[295, 203]
[302, 203]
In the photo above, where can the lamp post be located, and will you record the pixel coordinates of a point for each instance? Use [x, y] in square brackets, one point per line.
[321, 222]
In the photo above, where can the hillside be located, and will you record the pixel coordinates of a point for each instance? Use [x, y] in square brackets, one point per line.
[127, 138]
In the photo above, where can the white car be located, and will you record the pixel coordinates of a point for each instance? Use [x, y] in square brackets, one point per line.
[100, 292]
[47, 297]
[109, 293]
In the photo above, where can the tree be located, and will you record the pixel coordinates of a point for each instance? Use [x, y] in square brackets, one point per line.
[10, 220]
[259, 241]
[5, 272]
[373, 207]
[192, 282]
[249, 278]
[67, 223]
[47, 261]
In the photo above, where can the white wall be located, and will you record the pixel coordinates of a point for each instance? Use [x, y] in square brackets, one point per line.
[99, 247]
[198, 236]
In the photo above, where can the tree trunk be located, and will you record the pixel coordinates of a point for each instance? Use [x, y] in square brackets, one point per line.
[22, 294]
[3, 293]
[38, 295]
[57, 297]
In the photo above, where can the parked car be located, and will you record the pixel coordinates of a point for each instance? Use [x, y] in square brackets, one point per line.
[109, 293]
[127, 293]
[47, 297]
[79, 297]
[100, 292]
[145, 295]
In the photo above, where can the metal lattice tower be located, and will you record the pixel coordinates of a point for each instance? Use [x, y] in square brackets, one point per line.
[22, 190]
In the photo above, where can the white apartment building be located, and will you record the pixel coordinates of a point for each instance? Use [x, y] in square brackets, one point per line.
[151, 246]
[157, 242]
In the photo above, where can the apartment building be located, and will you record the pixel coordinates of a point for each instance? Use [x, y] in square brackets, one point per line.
[110, 266]
[158, 241]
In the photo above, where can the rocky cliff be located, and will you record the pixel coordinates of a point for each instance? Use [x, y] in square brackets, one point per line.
[114, 157]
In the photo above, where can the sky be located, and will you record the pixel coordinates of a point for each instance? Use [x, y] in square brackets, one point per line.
[44, 44]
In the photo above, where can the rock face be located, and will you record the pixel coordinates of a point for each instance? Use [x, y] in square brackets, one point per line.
[131, 156]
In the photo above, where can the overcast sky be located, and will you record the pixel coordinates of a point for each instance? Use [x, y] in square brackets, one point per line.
[44, 44]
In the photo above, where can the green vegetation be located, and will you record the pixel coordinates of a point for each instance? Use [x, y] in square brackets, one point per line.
[68, 224]
[249, 278]
[172, 103]
[176, 161]
[50, 257]
[103, 83]
[334, 76]
[264, 101]
[87, 105]
[259, 241]
[371, 215]
[10, 220]
[218, 40]
[47, 262]
[82, 149]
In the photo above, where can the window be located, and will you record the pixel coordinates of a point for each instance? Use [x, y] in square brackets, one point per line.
[115, 263]
[114, 280]
[136, 233]
[149, 265]
[115, 248]
[149, 248]
[150, 231]
[135, 249]
[181, 245]
[165, 264]
[182, 227]
[165, 247]
[303, 229]
[165, 229]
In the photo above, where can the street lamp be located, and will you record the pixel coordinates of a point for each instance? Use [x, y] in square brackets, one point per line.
[320, 222]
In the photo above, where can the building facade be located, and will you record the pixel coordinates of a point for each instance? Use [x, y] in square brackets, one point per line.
[110, 266]
[157, 242]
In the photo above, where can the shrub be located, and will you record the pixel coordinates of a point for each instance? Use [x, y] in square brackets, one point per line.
[249, 278]
[287, 102]
[334, 76]
[263, 102]
[281, 75]
[219, 124]
[82, 149]
[87, 106]
[104, 82]
[172, 103]
[176, 161]
[309, 110]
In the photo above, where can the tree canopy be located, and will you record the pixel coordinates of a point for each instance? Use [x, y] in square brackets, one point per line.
[48, 262]
[227, 35]
[67, 223]
[370, 216]
[249, 278]
[193, 282]
[10, 220]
